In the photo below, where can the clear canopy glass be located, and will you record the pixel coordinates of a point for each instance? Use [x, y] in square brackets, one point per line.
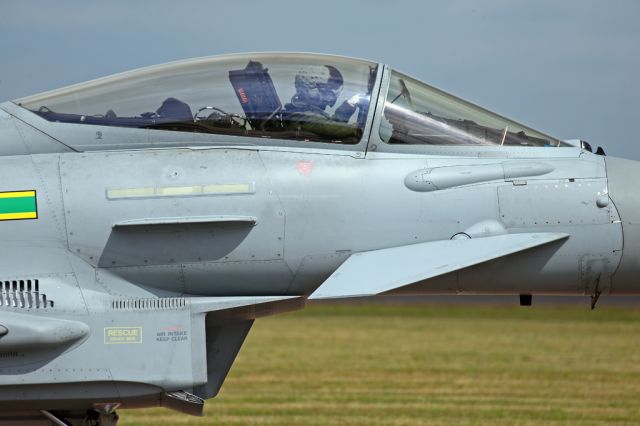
[287, 96]
[416, 113]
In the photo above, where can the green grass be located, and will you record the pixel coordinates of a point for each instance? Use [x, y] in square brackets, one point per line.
[431, 365]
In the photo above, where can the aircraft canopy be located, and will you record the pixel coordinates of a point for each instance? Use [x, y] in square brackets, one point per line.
[306, 97]
[285, 96]
[416, 113]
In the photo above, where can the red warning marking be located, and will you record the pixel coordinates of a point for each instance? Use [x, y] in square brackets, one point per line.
[305, 167]
[243, 96]
[171, 328]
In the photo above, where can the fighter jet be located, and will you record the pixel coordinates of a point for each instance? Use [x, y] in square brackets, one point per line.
[147, 218]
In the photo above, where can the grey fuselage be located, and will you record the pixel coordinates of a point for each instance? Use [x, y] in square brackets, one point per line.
[310, 209]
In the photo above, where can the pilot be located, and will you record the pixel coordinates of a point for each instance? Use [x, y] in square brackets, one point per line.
[318, 87]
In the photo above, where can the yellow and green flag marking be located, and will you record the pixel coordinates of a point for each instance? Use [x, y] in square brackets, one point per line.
[18, 205]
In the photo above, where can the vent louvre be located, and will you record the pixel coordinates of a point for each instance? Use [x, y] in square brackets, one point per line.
[163, 303]
[19, 294]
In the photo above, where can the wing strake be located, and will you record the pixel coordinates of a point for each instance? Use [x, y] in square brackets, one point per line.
[378, 271]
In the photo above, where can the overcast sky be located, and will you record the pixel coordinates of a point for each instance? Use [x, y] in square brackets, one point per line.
[569, 68]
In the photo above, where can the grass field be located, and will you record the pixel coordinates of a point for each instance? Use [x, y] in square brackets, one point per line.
[431, 365]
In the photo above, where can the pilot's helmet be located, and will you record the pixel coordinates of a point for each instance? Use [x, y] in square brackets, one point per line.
[319, 85]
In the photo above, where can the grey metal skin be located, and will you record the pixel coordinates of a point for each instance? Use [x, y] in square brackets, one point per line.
[151, 296]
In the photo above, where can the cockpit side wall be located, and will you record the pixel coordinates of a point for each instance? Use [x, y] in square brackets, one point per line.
[17, 137]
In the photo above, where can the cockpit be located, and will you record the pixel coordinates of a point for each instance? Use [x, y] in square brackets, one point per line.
[301, 97]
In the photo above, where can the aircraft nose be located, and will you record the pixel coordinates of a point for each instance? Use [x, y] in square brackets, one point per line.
[624, 190]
